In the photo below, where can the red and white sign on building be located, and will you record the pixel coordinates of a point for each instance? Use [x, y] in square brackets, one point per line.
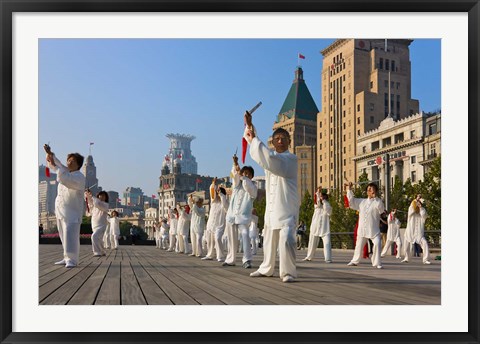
[379, 160]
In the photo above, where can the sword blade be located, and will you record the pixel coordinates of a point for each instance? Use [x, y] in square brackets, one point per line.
[255, 108]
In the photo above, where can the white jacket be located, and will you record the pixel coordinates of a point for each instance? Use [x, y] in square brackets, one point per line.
[369, 214]
[69, 204]
[99, 210]
[321, 218]
[216, 216]
[281, 185]
[241, 203]
[198, 217]
[114, 225]
[415, 230]
[183, 224]
[393, 228]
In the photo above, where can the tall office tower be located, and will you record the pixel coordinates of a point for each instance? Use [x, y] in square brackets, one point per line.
[363, 81]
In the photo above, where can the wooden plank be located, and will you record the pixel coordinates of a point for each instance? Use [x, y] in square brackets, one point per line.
[131, 292]
[150, 289]
[109, 293]
[87, 293]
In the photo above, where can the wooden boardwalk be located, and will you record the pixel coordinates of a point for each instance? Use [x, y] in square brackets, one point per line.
[145, 275]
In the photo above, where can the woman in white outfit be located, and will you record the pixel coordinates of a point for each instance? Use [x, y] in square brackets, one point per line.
[158, 236]
[415, 231]
[393, 234]
[114, 229]
[197, 225]
[164, 234]
[99, 210]
[320, 227]
[183, 228]
[173, 216]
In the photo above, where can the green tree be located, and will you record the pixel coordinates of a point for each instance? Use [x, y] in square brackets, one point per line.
[125, 228]
[260, 205]
[430, 188]
[306, 210]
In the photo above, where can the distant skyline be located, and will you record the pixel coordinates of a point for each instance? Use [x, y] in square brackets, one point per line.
[125, 95]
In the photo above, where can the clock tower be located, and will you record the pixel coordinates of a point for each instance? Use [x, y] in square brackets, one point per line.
[90, 171]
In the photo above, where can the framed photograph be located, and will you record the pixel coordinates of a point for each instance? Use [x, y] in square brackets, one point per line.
[26, 26]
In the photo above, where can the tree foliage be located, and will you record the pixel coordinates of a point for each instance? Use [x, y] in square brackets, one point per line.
[306, 210]
[260, 205]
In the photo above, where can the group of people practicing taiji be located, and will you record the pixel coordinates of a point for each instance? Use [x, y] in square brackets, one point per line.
[233, 219]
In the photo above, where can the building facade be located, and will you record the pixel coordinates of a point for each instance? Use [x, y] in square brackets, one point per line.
[181, 151]
[151, 217]
[89, 170]
[363, 81]
[306, 169]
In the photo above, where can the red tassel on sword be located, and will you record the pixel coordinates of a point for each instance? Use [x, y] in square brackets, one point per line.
[346, 203]
[47, 172]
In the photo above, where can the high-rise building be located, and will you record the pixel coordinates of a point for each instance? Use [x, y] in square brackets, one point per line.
[298, 116]
[90, 171]
[42, 174]
[47, 193]
[363, 81]
[133, 197]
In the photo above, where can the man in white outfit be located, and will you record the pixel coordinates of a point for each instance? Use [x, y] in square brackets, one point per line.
[320, 227]
[69, 205]
[281, 213]
[197, 225]
[393, 234]
[253, 232]
[216, 222]
[99, 210]
[183, 228]
[415, 231]
[239, 214]
[369, 209]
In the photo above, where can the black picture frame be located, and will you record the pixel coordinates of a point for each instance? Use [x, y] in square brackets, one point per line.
[9, 7]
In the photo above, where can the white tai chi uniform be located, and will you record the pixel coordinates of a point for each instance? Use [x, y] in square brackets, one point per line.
[183, 228]
[239, 215]
[320, 227]
[99, 210]
[281, 212]
[69, 209]
[253, 234]
[216, 224]
[368, 226]
[393, 235]
[197, 227]
[106, 236]
[164, 228]
[173, 230]
[114, 231]
[415, 233]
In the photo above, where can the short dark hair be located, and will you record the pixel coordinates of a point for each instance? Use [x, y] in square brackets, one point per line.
[103, 193]
[222, 190]
[373, 185]
[281, 131]
[115, 212]
[78, 158]
[325, 196]
[247, 168]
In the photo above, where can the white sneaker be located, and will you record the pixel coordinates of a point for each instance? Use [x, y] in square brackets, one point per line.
[256, 274]
[427, 262]
[69, 265]
[287, 279]
[379, 267]
[398, 257]
[382, 256]
[220, 260]
[328, 261]
[404, 261]
[306, 260]
[352, 264]
[61, 262]
[207, 258]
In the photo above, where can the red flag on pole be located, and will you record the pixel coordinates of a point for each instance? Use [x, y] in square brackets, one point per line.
[315, 198]
[300, 56]
[153, 196]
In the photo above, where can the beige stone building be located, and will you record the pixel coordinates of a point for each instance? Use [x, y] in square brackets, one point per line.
[363, 80]
[306, 169]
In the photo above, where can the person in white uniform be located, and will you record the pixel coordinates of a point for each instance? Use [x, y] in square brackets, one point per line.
[393, 234]
[106, 237]
[239, 214]
[69, 205]
[173, 217]
[320, 227]
[253, 232]
[164, 229]
[369, 209]
[99, 210]
[184, 219]
[197, 225]
[216, 222]
[415, 231]
[281, 213]
[114, 230]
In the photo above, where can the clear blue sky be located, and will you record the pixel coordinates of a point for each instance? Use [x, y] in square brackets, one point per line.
[125, 95]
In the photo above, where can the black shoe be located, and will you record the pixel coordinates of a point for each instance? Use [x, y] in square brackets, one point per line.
[227, 264]
[247, 264]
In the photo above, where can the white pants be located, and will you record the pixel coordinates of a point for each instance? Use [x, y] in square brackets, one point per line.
[388, 245]
[163, 242]
[377, 247]
[219, 247]
[235, 231]
[423, 244]
[70, 237]
[158, 242]
[97, 239]
[254, 242]
[173, 242]
[183, 244]
[282, 239]
[197, 243]
[107, 243]
[114, 241]
[313, 244]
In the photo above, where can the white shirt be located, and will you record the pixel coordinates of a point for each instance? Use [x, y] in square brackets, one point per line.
[321, 218]
[216, 216]
[393, 228]
[69, 203]
[281, 185]
[198, 217]
[369, 214]
[99, 210]
[183, 225]
[415, 230]
[241, 203]
[114, 225]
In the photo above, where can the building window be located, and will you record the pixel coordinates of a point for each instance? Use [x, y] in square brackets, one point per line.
[398, 104]
[331, 177]
[432, 129]
[320, 157]
[358, 132]
[320, 169]
[358, 120]
[344, 113]
[387, 64]
[413, 159]
[344, 162]
[344, 125]
[343, 89]
[358, 107]
[344, 138]
[320, 134]
[371, 84]
[372, 119]
[375, 145]
[386, 142]
[364, 149]
[320, 146]
[321, 180]
[344, 150]
[398, 85]
[414, 176]
[412, 134]
[372, 106]
[344, 101]
[386, 83]
[381, 64]
[331, 165]
[433, 149]
[331, 142]
[344, 74]
[393, 66]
